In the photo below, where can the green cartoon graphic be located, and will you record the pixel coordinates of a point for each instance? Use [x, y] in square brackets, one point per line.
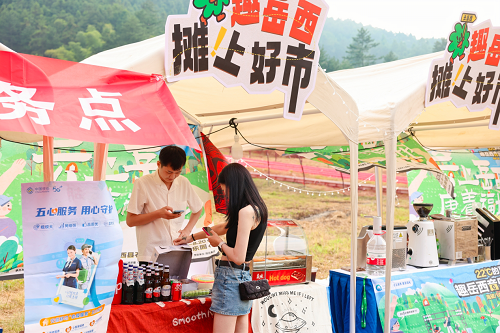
[459, 41]
[211, 7]
[409, 153]
[24, 164]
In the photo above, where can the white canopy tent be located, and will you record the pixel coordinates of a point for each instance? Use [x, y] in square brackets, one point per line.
[389, 98]
[207, 103]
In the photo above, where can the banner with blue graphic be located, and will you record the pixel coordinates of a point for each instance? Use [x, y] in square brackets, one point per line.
[73, 242]
[460, 299]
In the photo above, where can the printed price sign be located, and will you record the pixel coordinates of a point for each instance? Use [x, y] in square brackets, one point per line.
[284, 276]
[261, 45]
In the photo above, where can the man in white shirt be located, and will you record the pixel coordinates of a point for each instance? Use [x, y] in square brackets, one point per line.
[154, 199]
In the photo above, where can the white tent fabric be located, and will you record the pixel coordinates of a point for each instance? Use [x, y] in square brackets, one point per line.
[5, 48]
[367, 104]
[147, 56]
[389, 97]
[208, 103]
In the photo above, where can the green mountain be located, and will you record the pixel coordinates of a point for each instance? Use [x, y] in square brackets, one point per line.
[76, 29]
[338, 34]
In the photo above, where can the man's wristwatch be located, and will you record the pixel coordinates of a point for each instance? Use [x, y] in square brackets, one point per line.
[220, 245]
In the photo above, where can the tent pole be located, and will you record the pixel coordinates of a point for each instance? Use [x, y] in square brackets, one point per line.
[48, 158]
[190, 117]
[390, 155]
[378, 189]
[251, 119]
[100, 159]
[354, 230]
[444, 127]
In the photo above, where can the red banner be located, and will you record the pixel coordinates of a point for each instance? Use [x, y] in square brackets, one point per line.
[215, 162]
[76, 101]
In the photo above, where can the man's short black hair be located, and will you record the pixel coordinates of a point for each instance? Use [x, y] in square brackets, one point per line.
[172, 156]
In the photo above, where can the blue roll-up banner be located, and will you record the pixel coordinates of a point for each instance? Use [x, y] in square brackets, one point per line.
[73, 242]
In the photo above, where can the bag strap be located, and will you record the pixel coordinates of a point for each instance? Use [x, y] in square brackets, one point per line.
[229, 261]
[265, 256]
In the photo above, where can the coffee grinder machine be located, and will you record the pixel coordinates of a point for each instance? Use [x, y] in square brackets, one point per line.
[422, 249]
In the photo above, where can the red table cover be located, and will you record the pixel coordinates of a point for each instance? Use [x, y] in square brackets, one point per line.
[185, 316]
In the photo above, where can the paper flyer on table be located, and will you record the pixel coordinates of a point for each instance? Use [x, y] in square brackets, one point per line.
[72, 245]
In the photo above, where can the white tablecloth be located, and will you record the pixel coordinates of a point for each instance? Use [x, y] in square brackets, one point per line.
[303, 307]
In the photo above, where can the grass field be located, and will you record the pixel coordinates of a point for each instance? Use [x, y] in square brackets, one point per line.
[12, 305]
[325, 219]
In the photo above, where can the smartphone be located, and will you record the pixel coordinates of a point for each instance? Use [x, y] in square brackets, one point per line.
[207, 230]
[178, 211]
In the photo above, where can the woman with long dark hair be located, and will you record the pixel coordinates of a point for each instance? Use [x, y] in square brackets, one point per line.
[244, 228]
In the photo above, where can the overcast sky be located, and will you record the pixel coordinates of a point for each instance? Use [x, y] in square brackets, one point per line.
[421, 18]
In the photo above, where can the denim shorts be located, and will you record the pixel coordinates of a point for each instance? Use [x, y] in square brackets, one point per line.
[226, 293]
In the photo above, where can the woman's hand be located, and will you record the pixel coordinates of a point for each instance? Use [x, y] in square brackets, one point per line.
[184, 234]
[214, 239]
[181, 241]
[60, 276]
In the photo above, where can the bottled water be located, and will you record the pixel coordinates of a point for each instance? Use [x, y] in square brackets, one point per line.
[375, 256]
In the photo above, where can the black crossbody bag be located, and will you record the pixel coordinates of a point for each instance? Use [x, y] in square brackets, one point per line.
[254, 289]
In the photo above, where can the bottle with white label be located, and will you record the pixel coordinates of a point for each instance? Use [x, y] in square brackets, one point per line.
[375, 256]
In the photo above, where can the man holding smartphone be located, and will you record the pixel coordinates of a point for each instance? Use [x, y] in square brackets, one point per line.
[158, 201]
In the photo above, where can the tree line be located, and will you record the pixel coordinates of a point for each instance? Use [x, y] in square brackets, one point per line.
[359, 53]
[75, 29]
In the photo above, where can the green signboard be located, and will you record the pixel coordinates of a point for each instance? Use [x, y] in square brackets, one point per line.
[475, 175]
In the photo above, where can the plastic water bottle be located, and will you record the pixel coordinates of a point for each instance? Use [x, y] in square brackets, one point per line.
[375, 256]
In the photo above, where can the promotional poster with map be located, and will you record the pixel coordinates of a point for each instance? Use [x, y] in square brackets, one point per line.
[460, 299]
